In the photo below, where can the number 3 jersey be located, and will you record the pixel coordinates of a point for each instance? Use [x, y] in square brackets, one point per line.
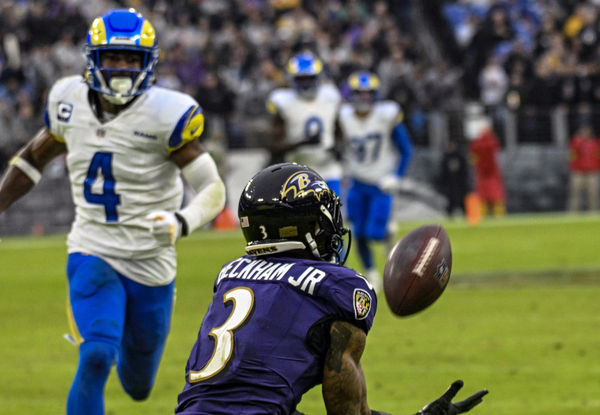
[120, 171]
[371, 152]
[263, 340]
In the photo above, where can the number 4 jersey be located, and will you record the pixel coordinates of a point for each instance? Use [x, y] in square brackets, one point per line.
[120, 171]
[262, 342]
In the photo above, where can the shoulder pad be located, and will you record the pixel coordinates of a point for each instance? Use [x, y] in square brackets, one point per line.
[330, 92]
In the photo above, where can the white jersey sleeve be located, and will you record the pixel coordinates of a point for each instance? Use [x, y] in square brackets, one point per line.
[370, 152]
[121, 170]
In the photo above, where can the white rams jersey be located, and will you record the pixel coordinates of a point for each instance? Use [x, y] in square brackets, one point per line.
[120, 171]
[371, 153]
[304, 118]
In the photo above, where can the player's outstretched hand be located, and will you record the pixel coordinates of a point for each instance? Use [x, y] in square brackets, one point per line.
[444, 405]
[165, 227]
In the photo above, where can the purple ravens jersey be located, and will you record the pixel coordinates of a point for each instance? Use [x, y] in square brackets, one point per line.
[262, 342]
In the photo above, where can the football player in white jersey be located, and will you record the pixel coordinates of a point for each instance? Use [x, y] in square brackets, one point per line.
[377, 153]
[303, 125]
[127, 144]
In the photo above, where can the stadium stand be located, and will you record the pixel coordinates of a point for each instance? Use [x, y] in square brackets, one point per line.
[430, 56]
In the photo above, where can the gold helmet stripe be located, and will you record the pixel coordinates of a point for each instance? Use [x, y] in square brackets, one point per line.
[98, 32]
[148, 34]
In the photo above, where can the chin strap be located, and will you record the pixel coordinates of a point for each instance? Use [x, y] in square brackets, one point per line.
[274, 247]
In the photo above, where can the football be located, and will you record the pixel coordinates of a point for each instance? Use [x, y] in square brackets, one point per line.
[417, 270]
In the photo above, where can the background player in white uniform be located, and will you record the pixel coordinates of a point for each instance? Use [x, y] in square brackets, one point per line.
[303, 126]
[377, 154]
[127, 143]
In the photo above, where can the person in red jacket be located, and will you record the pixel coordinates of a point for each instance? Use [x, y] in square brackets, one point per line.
[489, 184]
[584, 166]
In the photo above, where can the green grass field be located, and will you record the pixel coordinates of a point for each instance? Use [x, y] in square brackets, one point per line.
[520, 318]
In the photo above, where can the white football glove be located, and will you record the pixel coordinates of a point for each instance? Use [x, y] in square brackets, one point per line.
[165, 227]
[390, 183]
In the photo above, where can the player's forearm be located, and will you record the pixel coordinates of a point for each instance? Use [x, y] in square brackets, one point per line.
[21, 175]
[344, 387]
[205, 206]
[13, 186]
[346, 391]
[202, 175]
[25, 168]
[279, 146]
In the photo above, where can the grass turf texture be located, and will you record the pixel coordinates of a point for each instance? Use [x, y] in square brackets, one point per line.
[520, 318]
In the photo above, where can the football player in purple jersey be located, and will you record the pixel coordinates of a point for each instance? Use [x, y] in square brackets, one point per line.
[288, 315]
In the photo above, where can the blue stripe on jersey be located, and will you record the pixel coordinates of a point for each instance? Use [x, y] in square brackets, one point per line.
[176, 138]
[46, 117]
[401, 138]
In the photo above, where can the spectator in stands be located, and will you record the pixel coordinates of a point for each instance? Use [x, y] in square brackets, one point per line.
[494, 83]
[217, 101]
[584, 167]
[393, 67]
[211, 36]
[493, 31]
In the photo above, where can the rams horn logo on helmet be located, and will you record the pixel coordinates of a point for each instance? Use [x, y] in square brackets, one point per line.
[301, 184]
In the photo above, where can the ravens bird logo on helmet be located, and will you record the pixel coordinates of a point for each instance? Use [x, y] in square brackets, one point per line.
[288, 207]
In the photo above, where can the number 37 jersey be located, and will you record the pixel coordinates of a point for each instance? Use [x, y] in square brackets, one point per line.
[262, 342]
[120, 170]
[371, 152]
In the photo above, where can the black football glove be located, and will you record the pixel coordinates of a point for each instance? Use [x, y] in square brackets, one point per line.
[444, 406]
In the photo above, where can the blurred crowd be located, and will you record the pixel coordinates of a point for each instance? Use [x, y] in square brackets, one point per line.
[229, 54]
[519, 53]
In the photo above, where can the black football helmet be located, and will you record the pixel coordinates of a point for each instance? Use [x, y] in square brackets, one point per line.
[289, 207]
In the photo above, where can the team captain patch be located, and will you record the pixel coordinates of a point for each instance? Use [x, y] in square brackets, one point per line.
[362, 304]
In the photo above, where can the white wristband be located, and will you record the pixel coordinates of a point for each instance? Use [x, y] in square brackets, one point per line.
[27, 169]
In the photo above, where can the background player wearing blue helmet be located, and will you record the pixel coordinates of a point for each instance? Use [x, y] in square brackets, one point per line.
[127, 144]
[288, 315]
[377, 154]
[303, 121]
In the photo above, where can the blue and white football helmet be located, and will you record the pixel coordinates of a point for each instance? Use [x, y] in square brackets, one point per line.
[121, 30]
[304, 71]
[364, 87]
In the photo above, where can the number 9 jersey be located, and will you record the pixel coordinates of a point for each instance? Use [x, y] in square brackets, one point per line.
[120, 170]
[310, 117]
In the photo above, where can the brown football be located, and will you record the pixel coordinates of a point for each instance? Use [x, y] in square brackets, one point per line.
[417, 270]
